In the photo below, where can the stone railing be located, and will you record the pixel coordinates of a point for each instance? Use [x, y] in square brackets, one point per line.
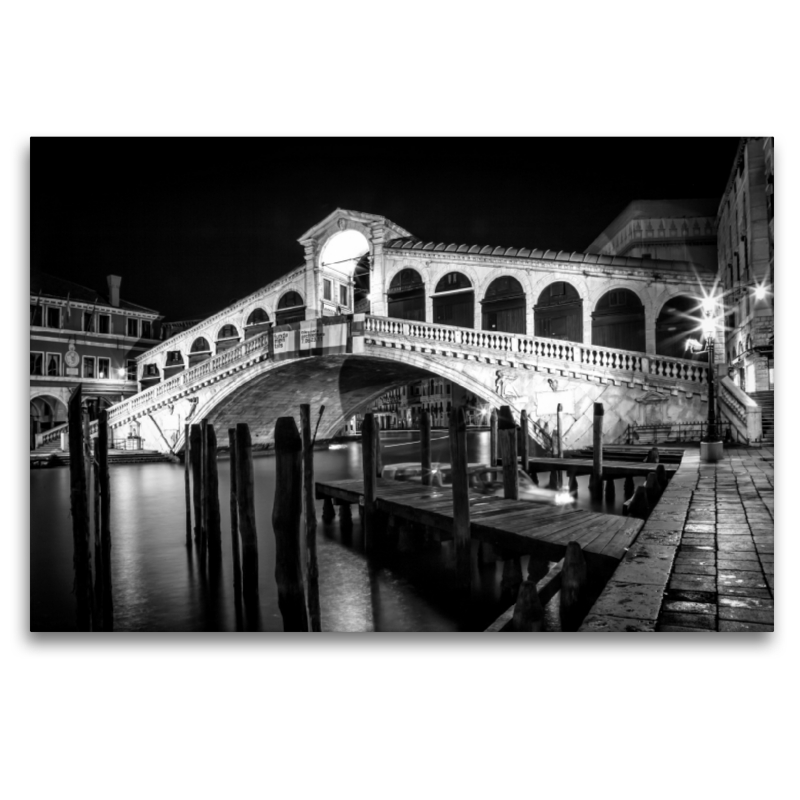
[52, 435]
[187, 378]
[514, 345]
[741, 411]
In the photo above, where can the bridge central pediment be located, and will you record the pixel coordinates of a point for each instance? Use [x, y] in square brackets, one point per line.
[343, 219]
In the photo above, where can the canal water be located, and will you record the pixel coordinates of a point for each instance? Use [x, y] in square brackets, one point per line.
[158, 584]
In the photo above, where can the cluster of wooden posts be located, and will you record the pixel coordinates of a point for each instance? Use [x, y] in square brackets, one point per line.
[639, 502]
[88, 466]
[298, 594]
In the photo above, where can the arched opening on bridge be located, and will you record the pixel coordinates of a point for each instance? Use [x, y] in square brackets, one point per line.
[558, 313]
[618, 321]
[291, 308]
[503, 306]
[151, 375]
[406, 296]
[46, 412]
[257, 322]
[200, 351]
[173, 364]
[680, 320]
[345, 265]
[227, 338]
[454, 301]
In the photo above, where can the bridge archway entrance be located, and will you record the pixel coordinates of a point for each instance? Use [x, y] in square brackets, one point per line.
[558, 313]
[291, 308]
[454, 301]
[46, 412]
[680, 319]
[618, 321]
[503, 306]
[345, 264]
[406, 296]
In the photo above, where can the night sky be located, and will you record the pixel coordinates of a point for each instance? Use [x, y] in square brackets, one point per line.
[192, 225]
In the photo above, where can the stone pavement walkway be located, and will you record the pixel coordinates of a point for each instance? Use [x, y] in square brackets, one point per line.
[704, 561]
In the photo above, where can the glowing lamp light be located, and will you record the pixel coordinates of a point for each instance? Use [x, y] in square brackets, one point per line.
[761, 292]
[121, 372]
[708, 327]
[708, 305]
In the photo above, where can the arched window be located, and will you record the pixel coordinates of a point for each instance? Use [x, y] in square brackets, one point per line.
[257, 317]
[558, 313]
[454, 301]
[290, 309]
[618, 321]
[199, 351]
[228, 332]
[406, 296]
[503, 306]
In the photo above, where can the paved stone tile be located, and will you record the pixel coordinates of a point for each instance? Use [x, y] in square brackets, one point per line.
[694, 527]
[703, 583]
[742, 546]
[729, 626]
[703, 557]
[646, 563]
[741, 579]
[698, 548]
[660, 525]
[659, 537]
[742, 591]
[738, 555]
[681, 629]
[746, 602]
[606, 624]
[684, 606]
[675, 595]
[764, 616]
[766, 558]
[724, 530]
[704, 621]
[630, 600]
[745, 565]
[693, 568]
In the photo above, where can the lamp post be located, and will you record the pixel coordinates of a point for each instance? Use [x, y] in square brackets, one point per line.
[710, 444]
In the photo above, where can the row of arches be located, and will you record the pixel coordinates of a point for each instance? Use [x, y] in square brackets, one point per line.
[618, 318]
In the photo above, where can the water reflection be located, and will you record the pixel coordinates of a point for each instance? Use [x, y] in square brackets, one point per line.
[160, 584]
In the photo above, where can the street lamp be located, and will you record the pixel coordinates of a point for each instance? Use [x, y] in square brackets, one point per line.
[711, 443]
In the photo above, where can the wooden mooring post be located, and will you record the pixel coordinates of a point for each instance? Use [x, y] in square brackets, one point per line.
[286, 512]
[213, 520]
[573, 585]
[370, 480]
[247, 511]
[376, 441]
[81, 558]
[310, 517]
[425, 446]
[507, 434]
[493, 448]
[460, 480]
[559, 442]
[596, 486]
[101, 456]
[187, 467]
[194, 454]
[237, 561]
[524, 441]
[203, 490]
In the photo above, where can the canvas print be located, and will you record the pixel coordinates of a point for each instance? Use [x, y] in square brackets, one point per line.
[516, 385]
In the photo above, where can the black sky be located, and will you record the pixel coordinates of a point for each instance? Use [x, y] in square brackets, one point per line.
[193, 224]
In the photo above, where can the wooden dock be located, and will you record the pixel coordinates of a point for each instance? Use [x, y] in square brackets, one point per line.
[637, 453]
[515, 526]
[611, 469]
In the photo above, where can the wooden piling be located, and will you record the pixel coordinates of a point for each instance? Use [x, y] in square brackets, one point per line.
[573, 583]
[328, 512]
[81, 558]
[213, 516]
[237, 559]
[376, 442]
[559, 443]
[460, 481]
[507, 435]
[528, 610]
[310, 517]
[493, 438]
[370, 482]
[187, 466]
[101, 456]
[573, 484]
[247, 511]
[97, 611]
[628, 489]
[553, 479]
[652, 456]
[638, 506]
[611, 491]
[196, 466]
[524, 441]
[203, 489]
[286, 512]
[425, 446]
[511, 579]
[652, 489]
[661, 476]
[597, 452]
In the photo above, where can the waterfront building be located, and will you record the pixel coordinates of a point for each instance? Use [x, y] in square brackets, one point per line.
[79, 336]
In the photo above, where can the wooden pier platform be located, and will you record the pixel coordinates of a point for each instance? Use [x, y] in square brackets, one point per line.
[516, 526]
[611, 469]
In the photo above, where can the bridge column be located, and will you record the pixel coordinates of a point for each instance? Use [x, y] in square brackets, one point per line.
[649, 329]
[587, 321]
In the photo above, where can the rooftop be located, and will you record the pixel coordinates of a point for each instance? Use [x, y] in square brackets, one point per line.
[50, 286]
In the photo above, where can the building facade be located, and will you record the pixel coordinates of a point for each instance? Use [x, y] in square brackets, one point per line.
[78, 336]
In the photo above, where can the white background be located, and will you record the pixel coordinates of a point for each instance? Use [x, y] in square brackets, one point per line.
[144, 716]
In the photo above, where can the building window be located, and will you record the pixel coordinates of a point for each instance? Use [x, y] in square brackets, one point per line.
[54, 364]
[133, 327]
[88, 321]
[103, 368]
[104, 323]
[88, 367]
[53, 317]
[130, 366]
[147, 329]
[36, 315]
[36, 363]
[344, 295]
[327, 292]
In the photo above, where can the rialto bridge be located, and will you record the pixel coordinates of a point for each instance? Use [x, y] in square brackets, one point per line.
[373, 308]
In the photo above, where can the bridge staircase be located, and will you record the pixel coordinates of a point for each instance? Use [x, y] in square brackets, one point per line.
[766, 400]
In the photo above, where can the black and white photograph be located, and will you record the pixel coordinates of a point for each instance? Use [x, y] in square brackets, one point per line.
[274, 386]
